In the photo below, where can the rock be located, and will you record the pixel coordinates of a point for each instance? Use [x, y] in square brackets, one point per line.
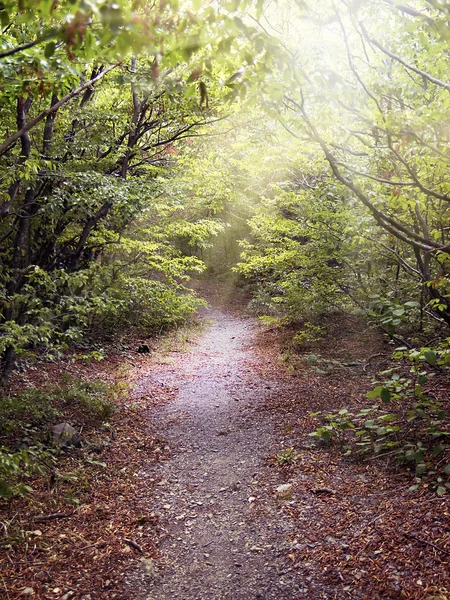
[65, 435]
[149, 567]
[143, 349]
[282, 489]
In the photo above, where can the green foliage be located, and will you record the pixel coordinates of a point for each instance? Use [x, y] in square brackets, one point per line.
[100, 101]
[296, 257]
[149, 305]
[17, 467]
[25, 418]
[308, 334]
[94, 396]
[288, 456]
[389, 311]
[30, 411]
[378, 432]
[415, 431]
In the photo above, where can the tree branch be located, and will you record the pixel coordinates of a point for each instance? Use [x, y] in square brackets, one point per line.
[403, 62]
[17, 49]
[33, 122]
[392, 225]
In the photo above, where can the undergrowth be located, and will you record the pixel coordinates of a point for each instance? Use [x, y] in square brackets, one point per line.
[409, 422]
[27, 447]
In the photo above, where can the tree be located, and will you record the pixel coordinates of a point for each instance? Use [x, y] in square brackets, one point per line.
[376, 105]
[99, 99]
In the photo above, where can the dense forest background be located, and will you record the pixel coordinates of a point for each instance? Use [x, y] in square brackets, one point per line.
[300, 148]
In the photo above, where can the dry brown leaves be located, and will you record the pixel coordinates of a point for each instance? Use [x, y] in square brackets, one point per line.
[360, 533]
[86, 522]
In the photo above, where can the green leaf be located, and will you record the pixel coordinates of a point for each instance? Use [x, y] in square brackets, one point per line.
[4, 18]
[438, 450]
[440, 491]
[385, 395]
[421, 469]
[375, 393]
[49, 49]
[325, 435]
[430, 357]
[418, 456]
[447, 469]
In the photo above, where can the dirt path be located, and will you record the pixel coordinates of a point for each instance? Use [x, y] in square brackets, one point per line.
[238, 526]
[180, 496]
[225, 535]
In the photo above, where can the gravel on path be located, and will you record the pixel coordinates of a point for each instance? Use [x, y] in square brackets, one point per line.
[225, 536]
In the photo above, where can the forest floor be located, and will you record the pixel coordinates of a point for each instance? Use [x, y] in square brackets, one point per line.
[210, 488]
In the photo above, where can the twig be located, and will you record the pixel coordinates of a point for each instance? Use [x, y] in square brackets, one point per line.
[40, 518]
[428, 543]
[6, 589]
[101, 542]
[375, 356]
[133, 545]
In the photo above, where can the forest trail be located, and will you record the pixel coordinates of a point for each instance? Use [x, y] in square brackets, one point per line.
[237, 523]
[225, 537]
[208, 486]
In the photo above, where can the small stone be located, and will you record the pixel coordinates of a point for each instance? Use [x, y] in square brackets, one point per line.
[282, 489]
[149, 567]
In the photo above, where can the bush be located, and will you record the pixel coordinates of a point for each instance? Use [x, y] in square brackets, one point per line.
[408, 423]
[27, 411]
[25, 418]
[150, 305]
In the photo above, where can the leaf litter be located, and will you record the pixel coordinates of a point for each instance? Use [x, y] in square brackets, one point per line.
[311, 522]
